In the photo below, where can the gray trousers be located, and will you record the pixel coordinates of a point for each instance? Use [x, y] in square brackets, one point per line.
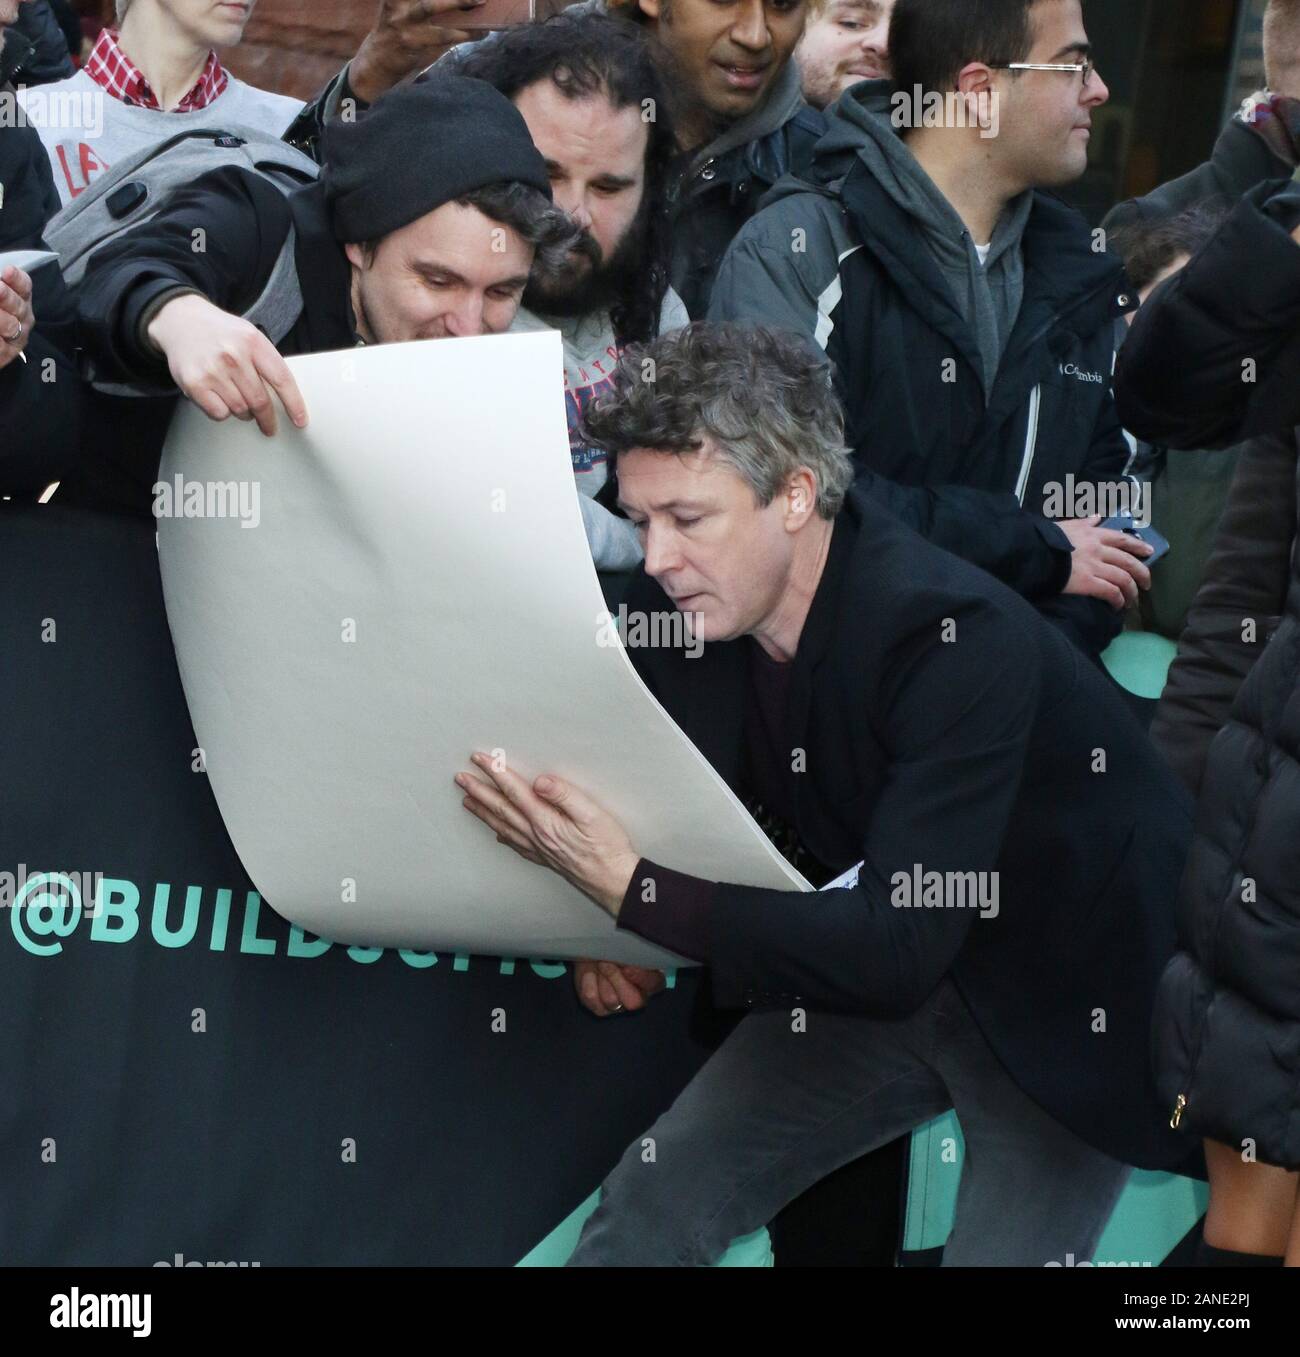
[776, 1110]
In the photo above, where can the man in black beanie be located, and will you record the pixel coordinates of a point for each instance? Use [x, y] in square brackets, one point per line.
[406, 235]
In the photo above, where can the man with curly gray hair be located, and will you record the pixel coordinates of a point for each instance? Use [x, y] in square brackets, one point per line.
[917, 736]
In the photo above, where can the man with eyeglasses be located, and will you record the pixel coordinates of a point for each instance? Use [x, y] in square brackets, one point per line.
[969, 317]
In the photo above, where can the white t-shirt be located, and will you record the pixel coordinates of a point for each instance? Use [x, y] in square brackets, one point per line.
[983, 252]
[86, 131]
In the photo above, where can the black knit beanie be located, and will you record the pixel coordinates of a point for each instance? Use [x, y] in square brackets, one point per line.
[420, 146]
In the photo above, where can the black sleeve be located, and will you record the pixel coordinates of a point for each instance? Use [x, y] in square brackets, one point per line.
[1241, 160]
[1027, 553]
[52, 59]
[1212, 357]
[40, 399]
[336, 99]
[1089, 622]
[220, 235]
[1237, 608]
[40, 417]
[958, 720]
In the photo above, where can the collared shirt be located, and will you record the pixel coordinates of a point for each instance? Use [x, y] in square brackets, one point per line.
[110, 67]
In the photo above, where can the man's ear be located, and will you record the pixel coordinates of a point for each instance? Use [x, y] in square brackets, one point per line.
[801, 497]
[356, 255]
[652, 9]
[976, 78]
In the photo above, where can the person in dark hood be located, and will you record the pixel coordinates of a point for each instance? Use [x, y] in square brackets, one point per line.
[969, 317]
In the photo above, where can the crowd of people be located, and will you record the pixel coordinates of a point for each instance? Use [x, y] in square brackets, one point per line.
[894, 379]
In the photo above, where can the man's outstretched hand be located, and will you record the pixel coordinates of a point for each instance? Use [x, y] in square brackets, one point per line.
[408, 36]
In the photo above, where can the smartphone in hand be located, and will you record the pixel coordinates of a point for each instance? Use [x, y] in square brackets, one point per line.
[1127, 523]
[498, 14]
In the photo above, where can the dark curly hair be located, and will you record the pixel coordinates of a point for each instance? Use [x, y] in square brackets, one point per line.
[594, 54]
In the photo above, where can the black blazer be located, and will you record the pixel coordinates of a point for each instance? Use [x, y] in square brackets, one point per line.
[943, 723]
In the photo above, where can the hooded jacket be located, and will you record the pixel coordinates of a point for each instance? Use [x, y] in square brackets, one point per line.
[1227, 1026]
[974, 394]
[717, 188]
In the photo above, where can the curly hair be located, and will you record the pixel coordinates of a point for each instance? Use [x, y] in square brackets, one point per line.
[593, 54]
[763, 396]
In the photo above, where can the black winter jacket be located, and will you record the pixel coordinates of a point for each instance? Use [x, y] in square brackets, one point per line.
[1215, 355]
[40, 399]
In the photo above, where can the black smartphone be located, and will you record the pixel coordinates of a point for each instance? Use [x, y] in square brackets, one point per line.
[1127, 523]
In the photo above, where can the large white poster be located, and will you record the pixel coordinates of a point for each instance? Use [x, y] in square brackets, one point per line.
[359, 605]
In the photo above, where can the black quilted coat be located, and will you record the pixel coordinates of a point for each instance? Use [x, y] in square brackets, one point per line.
[1214, 357]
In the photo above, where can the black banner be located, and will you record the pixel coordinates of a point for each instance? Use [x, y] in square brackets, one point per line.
[187, 1078]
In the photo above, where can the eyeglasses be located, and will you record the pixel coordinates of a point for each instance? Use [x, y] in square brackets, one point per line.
[1084, 68]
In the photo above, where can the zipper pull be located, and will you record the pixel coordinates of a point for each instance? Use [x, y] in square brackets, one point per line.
[1178, 1112]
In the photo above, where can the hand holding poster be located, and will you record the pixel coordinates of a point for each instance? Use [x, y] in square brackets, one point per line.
[360, 605]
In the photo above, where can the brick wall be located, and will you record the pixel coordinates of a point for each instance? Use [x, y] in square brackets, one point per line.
[294, 46]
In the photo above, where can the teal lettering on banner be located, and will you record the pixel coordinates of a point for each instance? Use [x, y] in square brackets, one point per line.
[250, 942]
[220, 922]
[41, 913]
[299, 945]
[184, 935]
[117, 911]
[420, 960]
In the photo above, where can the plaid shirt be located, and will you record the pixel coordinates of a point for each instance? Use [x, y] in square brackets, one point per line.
[110, 67]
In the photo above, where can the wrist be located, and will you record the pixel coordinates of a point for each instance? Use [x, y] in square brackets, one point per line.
[377, 67]
[153, 326]
[620, 878]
